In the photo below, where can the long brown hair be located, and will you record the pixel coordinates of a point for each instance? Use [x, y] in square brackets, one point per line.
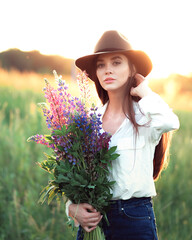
[160, 160]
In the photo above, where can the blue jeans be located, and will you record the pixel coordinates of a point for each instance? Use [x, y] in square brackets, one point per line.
[131, 219]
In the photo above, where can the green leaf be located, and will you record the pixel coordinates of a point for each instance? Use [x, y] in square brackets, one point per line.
[60, 148]
[48, 138]
[45, 192]
[57, 132]
[74, 183]
[112, 149]
[63, 129]
[112, 183]
[91, 186]
[62, 178]
[47, 165]
[52, 194]
[42, 198]
[114, 156]
[50, 157]
[71, 224]
[80, 179]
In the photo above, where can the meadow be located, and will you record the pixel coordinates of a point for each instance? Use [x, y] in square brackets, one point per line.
[21, 179]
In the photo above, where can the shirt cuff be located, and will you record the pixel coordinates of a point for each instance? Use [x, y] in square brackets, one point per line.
[68, 203]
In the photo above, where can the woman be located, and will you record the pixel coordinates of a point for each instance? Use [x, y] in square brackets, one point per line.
[139, 121]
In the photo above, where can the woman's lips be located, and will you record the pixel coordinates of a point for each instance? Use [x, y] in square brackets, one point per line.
[109, 80]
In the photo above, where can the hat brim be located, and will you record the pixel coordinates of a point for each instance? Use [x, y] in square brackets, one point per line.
[140, 60]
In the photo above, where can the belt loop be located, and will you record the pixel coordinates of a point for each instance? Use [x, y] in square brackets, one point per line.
[120, 206]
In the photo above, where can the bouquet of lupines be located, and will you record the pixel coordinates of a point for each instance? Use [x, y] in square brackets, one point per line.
[81, 156]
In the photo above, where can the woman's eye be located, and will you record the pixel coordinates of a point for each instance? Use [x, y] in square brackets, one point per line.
[116, 63]
[100, 65]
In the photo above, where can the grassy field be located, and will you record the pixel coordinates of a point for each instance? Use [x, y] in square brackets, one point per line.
[173, 204]
[21, 180]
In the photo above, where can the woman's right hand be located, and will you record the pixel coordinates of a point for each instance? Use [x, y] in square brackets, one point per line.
[86, 215]
[142, 89]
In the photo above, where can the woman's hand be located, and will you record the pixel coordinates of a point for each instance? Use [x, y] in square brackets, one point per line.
[141, 90]
[86, 215]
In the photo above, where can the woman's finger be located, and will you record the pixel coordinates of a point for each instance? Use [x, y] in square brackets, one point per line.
[94, 221]
[89, 229]
[133, 92]
[139, 78]
[89, 207]
[91, 226]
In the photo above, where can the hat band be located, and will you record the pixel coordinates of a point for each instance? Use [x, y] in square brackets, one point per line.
[110, 50]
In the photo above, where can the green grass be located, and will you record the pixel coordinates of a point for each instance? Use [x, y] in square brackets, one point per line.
[21, 180]
[173, 204]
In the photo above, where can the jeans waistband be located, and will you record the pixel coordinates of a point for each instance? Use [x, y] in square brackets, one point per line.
[131, 201]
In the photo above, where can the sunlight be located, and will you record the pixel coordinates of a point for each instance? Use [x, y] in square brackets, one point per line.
[70, 29]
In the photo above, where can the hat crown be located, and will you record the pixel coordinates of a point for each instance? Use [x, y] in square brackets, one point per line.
[112, 41]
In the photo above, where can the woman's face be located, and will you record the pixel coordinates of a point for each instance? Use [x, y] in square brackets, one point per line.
[112, 70]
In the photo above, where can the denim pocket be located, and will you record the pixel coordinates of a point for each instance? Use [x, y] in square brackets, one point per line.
[137, 212]
[131, 221]
[140, 219]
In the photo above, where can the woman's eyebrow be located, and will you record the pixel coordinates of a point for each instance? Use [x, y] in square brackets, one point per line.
[116, 57]
[100, 60]
[113, 58]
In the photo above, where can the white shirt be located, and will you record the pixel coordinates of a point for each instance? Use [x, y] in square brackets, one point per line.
[133, 169]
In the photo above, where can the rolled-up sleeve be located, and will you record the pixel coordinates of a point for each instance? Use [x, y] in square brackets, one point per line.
[68, 203]
[160, 116]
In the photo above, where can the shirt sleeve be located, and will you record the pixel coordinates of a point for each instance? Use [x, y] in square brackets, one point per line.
[68, 203]
[160, 116]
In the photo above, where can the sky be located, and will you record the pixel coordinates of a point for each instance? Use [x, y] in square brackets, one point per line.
[71, 28]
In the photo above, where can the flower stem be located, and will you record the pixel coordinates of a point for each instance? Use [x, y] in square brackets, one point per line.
[96, 234]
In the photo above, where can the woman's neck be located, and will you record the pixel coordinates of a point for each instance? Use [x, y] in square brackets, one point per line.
[116, 104]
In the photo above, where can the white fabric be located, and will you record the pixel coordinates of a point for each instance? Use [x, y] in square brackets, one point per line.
[133, 169]
[68, 203]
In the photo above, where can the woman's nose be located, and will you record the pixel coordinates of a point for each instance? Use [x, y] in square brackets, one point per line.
[108, 69]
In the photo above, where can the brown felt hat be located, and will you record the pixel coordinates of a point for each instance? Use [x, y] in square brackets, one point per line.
[113, 41]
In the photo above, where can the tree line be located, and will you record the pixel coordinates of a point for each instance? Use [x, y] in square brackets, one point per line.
[35, 61]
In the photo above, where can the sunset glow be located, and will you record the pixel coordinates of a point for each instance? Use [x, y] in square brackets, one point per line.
[71, 28]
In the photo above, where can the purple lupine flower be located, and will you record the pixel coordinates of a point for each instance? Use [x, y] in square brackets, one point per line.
[62, 109]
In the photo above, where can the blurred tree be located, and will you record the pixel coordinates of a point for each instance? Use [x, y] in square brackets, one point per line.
[35, 61]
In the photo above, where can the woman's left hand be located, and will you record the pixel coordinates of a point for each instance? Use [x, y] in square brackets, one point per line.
[142, 89]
